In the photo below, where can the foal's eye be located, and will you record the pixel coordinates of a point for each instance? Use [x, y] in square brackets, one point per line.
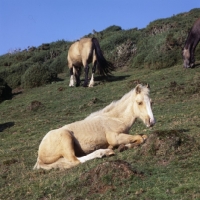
[139, 103]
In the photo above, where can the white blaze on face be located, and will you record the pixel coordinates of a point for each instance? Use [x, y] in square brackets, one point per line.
[149, 110]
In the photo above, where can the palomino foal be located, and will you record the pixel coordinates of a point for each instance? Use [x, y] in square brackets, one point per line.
[97, 134]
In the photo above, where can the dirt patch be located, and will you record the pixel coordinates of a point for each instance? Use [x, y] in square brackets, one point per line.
[10, 161]
[191, 87]
[34, 105]
[164, 145]
[17, 90]
[106, 175]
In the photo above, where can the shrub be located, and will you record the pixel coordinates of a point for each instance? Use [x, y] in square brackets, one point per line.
[112, 28]
[37, 75]
[40, 56]
[59, 64]
[12, 75]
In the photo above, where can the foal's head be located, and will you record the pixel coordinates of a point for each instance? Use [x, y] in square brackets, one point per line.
[142, 105]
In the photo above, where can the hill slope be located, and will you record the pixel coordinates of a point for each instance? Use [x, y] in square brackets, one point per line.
[165, 167]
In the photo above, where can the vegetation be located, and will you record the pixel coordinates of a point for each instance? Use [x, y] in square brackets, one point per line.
[165, 167]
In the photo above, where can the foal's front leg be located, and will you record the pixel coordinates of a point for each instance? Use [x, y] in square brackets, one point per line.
[116, 139]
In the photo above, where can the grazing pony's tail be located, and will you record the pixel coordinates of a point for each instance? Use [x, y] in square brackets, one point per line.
[105, 67]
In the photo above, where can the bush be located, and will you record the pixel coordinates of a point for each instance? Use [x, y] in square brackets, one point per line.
[40, 56]
[112, 29]
[12, 75]
[59, 64]
[37, 75]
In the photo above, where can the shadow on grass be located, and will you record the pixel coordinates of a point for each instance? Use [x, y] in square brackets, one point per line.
[6, 125]
[196, 65]
[111, 78]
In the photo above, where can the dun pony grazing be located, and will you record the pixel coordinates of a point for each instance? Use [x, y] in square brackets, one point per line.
[82, 53]
[97, 134]
[190, 45]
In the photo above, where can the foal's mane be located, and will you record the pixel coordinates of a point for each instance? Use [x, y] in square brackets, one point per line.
[112, 105]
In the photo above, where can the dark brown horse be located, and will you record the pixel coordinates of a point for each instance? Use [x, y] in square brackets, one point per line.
[82, 53]
[190, 45]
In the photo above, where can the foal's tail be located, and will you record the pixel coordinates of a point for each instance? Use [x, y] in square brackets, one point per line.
[105, 67]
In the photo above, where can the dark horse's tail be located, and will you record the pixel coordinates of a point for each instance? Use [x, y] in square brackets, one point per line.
[105, 67]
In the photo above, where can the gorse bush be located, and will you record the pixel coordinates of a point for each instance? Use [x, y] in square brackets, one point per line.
[59, 64]
[38, 75]
[12, 75]
[52, 57]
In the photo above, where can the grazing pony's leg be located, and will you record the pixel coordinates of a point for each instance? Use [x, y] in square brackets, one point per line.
[86, 69]
[71, 83]
[116, 139]
[91, 84]
[77, 72]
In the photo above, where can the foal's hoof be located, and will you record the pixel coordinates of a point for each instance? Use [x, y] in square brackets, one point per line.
[109, 152]
[144, 137]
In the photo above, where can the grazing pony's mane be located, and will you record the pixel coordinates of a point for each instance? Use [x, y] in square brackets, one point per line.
[114, 104]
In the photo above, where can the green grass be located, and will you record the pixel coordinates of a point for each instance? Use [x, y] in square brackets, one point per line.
[175, 175]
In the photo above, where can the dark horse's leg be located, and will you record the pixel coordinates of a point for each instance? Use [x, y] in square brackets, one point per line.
[86, 76]
[192, 59]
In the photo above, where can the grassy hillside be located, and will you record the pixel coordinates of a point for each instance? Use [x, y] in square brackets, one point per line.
[165, 167]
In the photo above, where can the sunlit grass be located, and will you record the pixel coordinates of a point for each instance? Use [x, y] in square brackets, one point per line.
[171, 177]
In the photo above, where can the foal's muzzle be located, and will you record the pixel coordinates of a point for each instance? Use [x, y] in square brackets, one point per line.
[151, 122]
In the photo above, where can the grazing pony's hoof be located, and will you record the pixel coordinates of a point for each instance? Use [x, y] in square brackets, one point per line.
[85, 85]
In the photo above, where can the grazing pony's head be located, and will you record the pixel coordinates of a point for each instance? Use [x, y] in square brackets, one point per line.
[142, 105]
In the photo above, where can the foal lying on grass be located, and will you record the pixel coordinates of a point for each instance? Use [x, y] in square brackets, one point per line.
[97, 134]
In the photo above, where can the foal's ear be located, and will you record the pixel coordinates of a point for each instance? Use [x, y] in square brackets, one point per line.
[138, 89]
[148, 86]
